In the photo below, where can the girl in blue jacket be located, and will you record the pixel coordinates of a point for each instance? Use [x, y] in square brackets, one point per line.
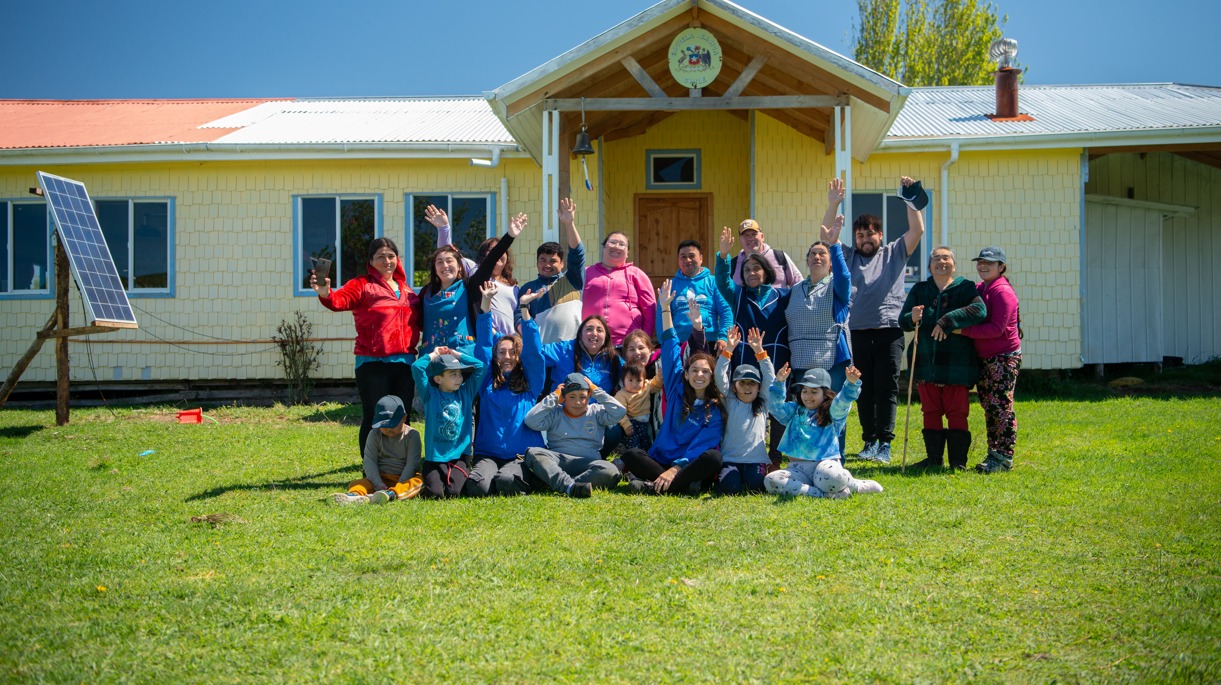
[686, 453]
[513, 381]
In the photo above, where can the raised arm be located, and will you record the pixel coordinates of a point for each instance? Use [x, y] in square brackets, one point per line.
[842, 404]
[567, 222]
[484, 271]
[610, 411]
[836, 191]
[915, 224]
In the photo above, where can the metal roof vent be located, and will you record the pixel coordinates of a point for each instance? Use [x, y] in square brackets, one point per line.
[1004, 52]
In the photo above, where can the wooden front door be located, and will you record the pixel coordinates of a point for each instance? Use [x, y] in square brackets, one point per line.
[664, 221]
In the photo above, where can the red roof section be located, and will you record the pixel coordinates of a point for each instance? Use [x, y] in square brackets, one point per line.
[84, 123]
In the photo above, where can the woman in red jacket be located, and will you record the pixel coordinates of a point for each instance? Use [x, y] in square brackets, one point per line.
[388, 316]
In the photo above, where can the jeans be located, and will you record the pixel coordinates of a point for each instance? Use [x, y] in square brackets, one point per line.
[699, 472]
[500, 476]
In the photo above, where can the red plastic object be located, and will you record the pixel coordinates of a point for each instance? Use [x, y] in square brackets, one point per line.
[191, 416]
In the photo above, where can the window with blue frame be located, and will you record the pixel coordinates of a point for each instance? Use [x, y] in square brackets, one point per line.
[138, 233]
[469, 219]
[25, 248]
[338, 228]
[893, 212]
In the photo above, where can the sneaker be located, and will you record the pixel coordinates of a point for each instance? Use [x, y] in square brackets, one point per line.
[882, 456]
[346, 498]
[861, 486]
[379, 497]
[995, 462]
[841, 494]
[581, 490]
[870, 451]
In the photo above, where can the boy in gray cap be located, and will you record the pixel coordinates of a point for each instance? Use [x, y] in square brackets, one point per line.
[391, 456]
[571, 463]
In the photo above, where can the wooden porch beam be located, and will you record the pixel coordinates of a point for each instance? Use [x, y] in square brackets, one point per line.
[642, 77]
[680, 104]
[746, 76]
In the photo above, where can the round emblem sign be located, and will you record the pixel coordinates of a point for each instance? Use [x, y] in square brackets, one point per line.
[695, 58]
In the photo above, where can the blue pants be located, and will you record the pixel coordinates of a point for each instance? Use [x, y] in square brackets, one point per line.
[736, 478]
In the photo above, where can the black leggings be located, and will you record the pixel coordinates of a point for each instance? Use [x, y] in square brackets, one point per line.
[444, 479]
[375, 380]
[700, 472]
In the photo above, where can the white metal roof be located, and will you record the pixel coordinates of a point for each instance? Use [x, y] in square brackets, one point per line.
[442, 120]
[1099, 111]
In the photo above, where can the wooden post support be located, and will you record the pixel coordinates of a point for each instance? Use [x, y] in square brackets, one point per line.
[20, 366]
[62, 388]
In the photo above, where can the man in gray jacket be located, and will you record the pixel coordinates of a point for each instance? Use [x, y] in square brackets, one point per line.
[571, 463]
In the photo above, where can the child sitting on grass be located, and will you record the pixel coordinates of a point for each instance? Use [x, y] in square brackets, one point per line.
[446, 382]
[744, 445]
[636, 396]
[391, 456]
[571, 463]
[811, 440]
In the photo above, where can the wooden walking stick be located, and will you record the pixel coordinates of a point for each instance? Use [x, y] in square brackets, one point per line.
[911, 379]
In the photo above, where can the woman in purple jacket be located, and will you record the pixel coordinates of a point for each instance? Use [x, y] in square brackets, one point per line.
[999, 347]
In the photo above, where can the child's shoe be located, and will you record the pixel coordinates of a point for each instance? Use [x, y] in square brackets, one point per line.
[839, 494]
[642, 487]
[995, 462]
[381, 497]
[346, 498]
[581, 490]
[861, 486]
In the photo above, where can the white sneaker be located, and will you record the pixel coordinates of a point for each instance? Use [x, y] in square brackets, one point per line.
[379, 497]
[347, 498]
[861, 486]
[841, 494]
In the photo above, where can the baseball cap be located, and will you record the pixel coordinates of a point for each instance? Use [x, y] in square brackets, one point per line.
[748, 225]
[575, 382]
[746, 372]
[815, 378]
[990, 254]
[389, 412]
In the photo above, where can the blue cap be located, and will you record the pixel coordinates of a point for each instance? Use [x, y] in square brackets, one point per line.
[815, 378]
[914, 195]
[746, 372]
[575, 382]
[990, 254]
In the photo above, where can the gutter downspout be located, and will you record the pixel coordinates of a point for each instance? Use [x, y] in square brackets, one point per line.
[504, 203]
[945, 193]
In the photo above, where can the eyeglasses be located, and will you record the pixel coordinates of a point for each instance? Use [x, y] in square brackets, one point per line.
[616, 243]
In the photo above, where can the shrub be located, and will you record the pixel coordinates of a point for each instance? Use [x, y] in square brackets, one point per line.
[298, 356]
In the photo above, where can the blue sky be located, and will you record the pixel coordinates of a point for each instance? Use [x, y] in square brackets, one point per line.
[141, 49]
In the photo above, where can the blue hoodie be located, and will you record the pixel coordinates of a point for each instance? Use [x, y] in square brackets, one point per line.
[502, 432]
[714, 309]
[560, 358]
[447, 415]
[680, 439]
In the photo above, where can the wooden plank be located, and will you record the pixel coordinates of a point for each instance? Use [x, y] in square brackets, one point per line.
[682, 104]
[63, 372]
[79, 330]
[748, 74]
[642, 77]
[102, 323]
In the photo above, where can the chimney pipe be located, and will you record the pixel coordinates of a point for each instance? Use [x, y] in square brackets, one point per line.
[1007, 92]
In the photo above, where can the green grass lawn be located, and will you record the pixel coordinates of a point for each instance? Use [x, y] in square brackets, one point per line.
[1097, 559]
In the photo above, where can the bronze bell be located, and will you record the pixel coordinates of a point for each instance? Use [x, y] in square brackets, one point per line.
[583, 146]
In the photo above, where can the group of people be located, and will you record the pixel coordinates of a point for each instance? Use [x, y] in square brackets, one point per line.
[586, 376]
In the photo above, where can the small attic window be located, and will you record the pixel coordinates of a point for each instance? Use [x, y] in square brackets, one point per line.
[672, 170]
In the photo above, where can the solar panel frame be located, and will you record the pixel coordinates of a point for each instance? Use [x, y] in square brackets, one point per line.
[81, 236]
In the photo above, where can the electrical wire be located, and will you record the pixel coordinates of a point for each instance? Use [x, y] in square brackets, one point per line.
[93, 370]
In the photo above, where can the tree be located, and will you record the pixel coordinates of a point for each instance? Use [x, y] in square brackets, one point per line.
[928, 42]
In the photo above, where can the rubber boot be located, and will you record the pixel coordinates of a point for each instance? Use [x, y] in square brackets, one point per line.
[934, 445]
[958, 444]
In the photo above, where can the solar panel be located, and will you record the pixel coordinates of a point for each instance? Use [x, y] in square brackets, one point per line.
[81, 237]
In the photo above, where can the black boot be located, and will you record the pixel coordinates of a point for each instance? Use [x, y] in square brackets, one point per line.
[934, 446]
[958, 444]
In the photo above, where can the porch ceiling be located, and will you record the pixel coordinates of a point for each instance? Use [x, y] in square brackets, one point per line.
[782, 65]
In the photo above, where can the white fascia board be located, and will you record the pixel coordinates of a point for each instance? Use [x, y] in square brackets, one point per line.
[214, 152]
[1093, 139]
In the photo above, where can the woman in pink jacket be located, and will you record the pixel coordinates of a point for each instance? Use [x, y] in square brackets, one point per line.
[999, 347]
[619, 291]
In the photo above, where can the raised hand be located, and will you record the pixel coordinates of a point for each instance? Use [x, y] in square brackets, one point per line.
[529, 296]
[917, 314]
[436, 217]
[694, 313]
[830, 234]
[852, 373]
[836, 190]
[488, 290]
[733, 336]
[441, 351]
[567, 210]
[754, 338]
[517, 224]
[665, 296]
[906, 180]
[782, 375]
[726, 240]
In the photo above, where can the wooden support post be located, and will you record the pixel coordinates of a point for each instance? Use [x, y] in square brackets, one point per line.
[62, 388]
[20, 366]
